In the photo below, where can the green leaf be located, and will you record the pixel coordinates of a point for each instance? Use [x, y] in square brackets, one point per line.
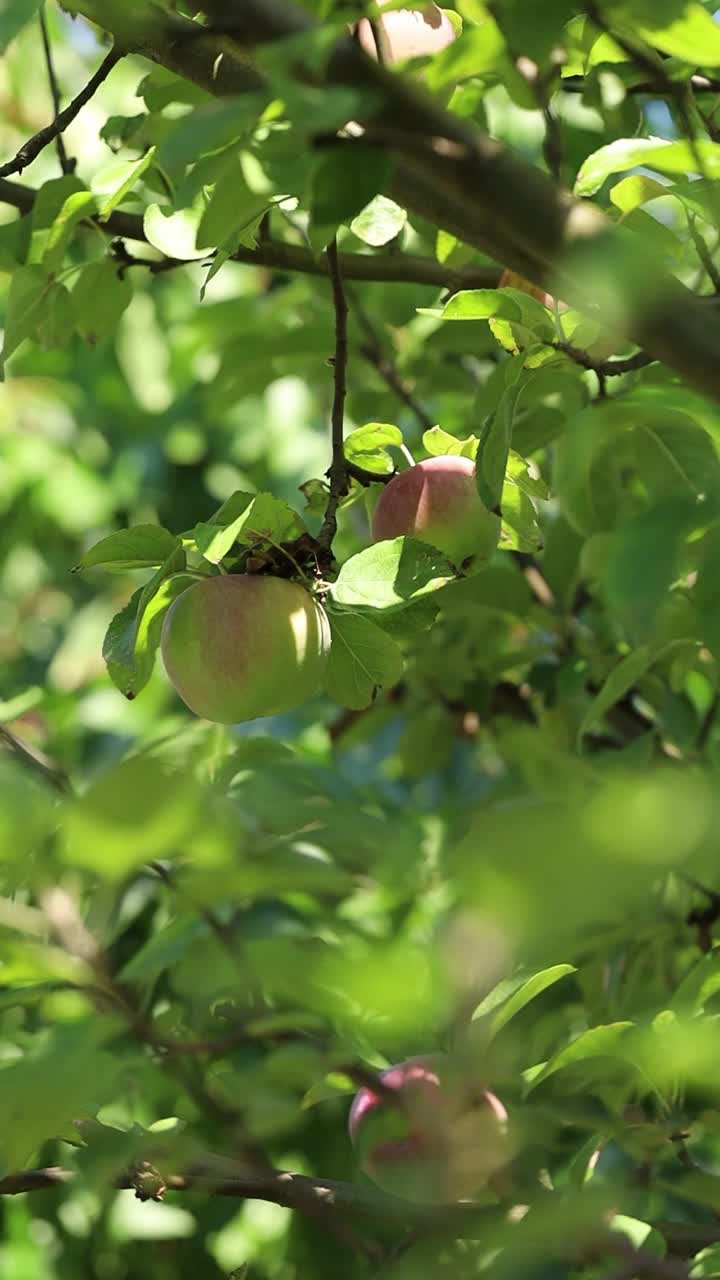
[380, 222]
[233, 206]
[586, 48]
[47, 209]
[645, 556]
[478, 51]
[133, 813]
[63, 1074]
[687, 32]
[531, 483]
[38, 307]
[346, 179]
[706, 1263]
[481, 304]
[367, 446]
[133, 636]
[143, 546]
[13, 244]
[599, 1042]
[99, 298]
[527, 992]
[516, 319]
[642, 1235]
[390, 575]
[112, 184]
[232, 507]
[55, 320]
[14, 15]
[361, 658]
[535, 31]
[630, 193]
[438, 442]
[161, 87]
[653, 153]
[264, 519]
[175, 234]
[628, 453]
[494, 449]
[316, 494]
[77, 206]
[621, 680]
[521, 530]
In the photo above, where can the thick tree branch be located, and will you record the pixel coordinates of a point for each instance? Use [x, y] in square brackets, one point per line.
[391, 268]
[191, 50]
[32, 148]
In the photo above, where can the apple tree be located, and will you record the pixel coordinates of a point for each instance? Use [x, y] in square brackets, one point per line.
[359, 639]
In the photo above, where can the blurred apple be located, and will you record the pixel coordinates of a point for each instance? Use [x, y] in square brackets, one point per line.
[441, 1141]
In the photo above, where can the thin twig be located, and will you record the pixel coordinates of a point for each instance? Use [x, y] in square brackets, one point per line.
[381, 42]
[605, 368]
[35, 761]
[387, 268]
[699, 84]
[66, 164]
[703, 253]
[374, 352]
[32, 148]
[338, 471]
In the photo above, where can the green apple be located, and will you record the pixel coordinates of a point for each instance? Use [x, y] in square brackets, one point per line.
[241, 646]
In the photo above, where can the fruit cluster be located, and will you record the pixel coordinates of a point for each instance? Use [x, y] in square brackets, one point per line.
[241, 646]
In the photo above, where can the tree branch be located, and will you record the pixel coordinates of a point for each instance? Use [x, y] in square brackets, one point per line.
[391, 268]
[66, 164]
[699, 84]
[293, 1191]
[327, 1196]
[32, 148]
[338, 471]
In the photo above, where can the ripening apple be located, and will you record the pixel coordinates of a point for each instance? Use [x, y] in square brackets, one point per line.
[240, 646]
[437, 501]
[408, 33]
[441, 1141]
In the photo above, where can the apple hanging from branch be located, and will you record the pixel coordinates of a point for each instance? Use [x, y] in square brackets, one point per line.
[437, 501]
[241, 646]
